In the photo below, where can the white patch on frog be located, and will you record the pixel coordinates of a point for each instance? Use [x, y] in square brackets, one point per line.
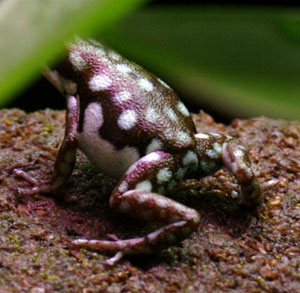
[123, 187]
[190, 159]
[154, 145]
[182, 109]
[124, 68]
[247, 169]
[82, 45]
[211, 153]
[183, 137]
[238, 153]
[80, 241]
[171, 114]
[101, 152]
[145, 185]
[127, 119]
[100, 82]
[72, 102]
[162, 202]
[163, 83]
[154, 156]
[77, 60]
[115, 56]
[225, 154]
[196, 218]
[202, 136]
[99, 49]
[151, 115]
[218, 148]
[169, 134]
[178, 206]
[145, 84]
[164, 175]
[100, 52]
[142, 198]
[215, 134]
[236, 163]
[93, 115]
[122, 96]
[131, 168]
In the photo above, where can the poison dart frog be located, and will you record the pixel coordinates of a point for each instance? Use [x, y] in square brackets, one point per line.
[133, 127]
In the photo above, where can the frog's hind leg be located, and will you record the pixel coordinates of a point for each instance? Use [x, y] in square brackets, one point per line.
[216, 150]
[65, 159]
[136, 195]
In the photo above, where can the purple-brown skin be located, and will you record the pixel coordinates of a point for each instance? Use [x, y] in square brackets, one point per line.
[133, 127]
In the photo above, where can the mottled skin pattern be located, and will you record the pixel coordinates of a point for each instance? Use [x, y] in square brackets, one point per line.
[133, 127]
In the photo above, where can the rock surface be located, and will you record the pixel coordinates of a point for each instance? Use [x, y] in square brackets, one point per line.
[233, 249]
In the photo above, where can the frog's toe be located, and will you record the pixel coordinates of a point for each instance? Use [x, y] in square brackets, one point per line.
[24, 175]
[115, 259]
[109, 245]
[113, 237]
[252, 193]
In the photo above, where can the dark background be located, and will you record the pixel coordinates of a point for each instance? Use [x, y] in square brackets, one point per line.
[41, 94]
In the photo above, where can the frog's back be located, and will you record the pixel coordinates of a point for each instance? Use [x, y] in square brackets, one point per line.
[137, 109]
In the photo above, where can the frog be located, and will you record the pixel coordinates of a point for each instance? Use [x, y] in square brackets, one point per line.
[133, 127]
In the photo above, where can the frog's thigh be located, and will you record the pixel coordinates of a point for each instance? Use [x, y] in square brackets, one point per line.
[137, 195]
[65, 159]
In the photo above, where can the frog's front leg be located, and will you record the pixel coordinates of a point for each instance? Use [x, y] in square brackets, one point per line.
[137, 195]
[65, 159]
[216, 150]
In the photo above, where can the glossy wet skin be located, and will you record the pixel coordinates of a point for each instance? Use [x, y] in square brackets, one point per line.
[132, 126]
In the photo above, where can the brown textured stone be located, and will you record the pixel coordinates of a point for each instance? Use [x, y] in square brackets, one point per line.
[233, 248]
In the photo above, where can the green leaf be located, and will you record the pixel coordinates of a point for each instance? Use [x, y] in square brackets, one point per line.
[243, 61]
[32, 32]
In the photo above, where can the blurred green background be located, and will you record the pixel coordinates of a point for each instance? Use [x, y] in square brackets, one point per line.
[233, 61]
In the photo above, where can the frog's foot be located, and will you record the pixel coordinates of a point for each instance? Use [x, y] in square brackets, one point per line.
[215, 150]
[235, 157]
[153, 242]
[180, 222]
[37, 188]
[135, 195]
